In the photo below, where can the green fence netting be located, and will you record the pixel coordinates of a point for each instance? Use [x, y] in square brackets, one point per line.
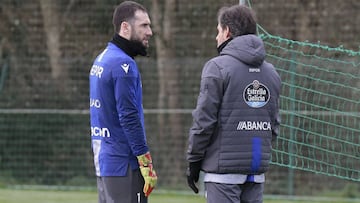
[320, 105]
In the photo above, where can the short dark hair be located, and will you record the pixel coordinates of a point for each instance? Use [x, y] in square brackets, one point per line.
[125, 12]
[240, 19]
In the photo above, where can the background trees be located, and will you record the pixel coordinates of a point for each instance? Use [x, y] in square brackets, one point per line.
[48, 47]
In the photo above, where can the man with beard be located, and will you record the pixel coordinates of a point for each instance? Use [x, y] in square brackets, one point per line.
[122, 159]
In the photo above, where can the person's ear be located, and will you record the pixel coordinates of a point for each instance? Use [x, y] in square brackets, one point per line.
[227, 32]
[125, 30]
[125, 26]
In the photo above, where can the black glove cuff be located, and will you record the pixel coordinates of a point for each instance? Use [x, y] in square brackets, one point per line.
[195, 166]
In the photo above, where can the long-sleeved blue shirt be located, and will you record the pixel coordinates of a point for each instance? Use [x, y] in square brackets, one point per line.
[116, 113]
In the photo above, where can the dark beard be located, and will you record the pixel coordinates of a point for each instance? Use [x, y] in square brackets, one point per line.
[138, 47]
[130, 47]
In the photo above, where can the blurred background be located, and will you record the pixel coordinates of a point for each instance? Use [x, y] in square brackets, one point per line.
[46, 51]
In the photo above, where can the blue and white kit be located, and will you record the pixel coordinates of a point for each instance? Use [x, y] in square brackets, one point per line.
[117, 118]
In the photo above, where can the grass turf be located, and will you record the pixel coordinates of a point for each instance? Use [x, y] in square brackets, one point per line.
[52, 196]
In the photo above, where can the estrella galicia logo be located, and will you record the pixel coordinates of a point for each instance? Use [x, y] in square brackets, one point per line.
[256, 95]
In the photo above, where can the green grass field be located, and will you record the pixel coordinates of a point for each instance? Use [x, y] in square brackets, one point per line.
[51, 196]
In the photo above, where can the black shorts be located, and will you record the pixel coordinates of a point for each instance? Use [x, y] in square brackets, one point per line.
[126, 189]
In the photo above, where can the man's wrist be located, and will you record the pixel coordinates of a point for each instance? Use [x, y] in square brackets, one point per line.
[144, 160]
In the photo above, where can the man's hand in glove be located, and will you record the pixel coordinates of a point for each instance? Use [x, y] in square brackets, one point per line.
[147, 171]
[192, 174]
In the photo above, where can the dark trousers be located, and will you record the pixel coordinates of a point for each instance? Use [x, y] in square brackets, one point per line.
[127, 189]
[230, 193]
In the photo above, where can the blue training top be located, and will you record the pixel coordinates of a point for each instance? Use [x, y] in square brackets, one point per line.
[116, 113]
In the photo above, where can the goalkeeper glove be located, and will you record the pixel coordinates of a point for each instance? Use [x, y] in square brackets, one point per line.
[147, 171]
[192, 174]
